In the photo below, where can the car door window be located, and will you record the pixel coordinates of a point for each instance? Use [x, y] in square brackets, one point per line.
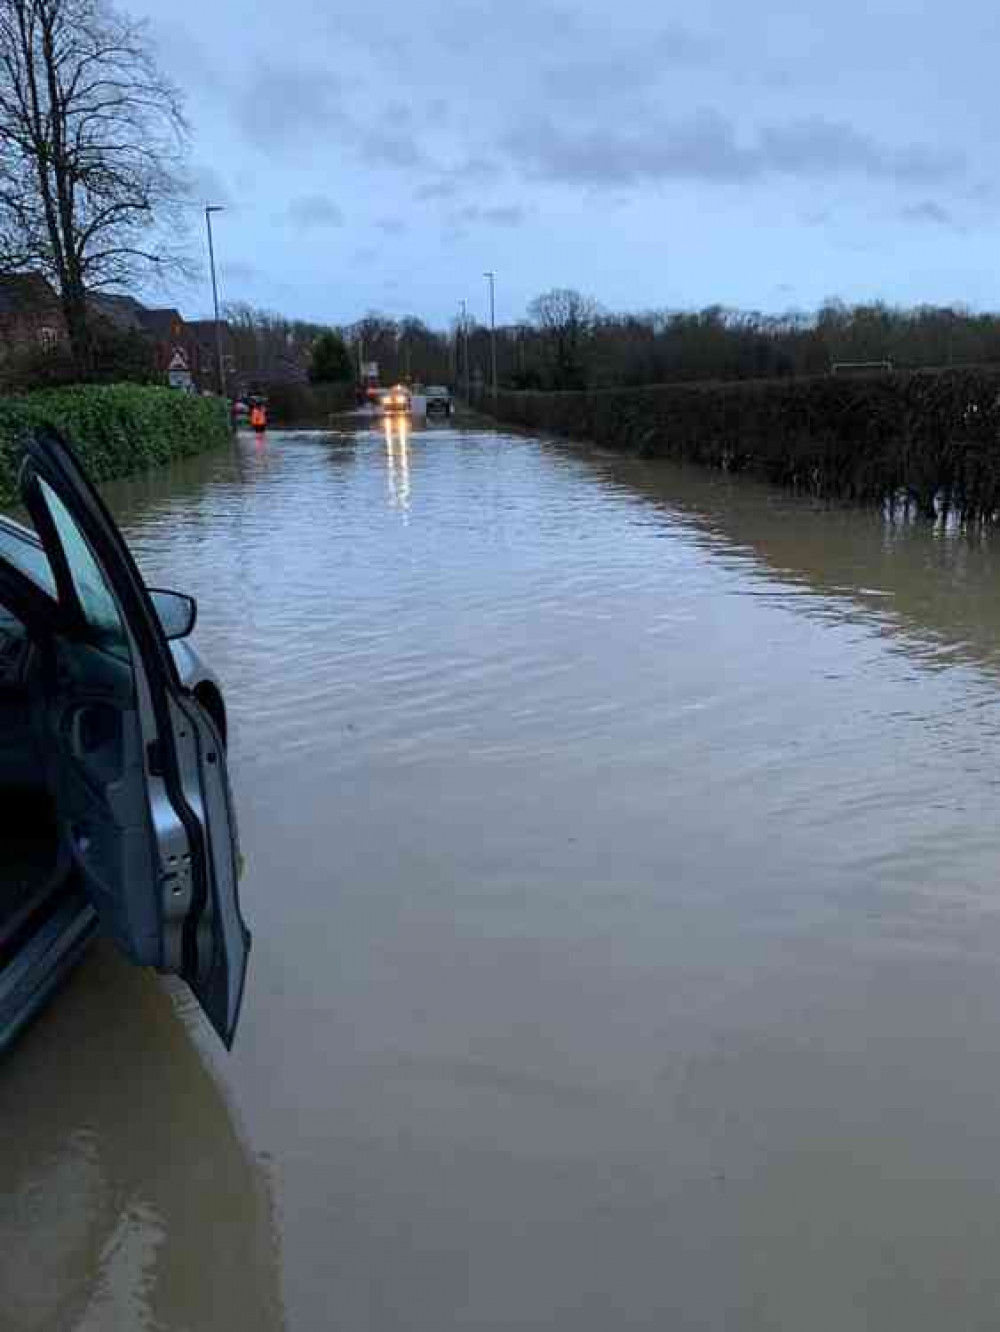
[27, 558]
[100, 610]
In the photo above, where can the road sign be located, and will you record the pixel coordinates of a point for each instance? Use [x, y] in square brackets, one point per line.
[178, 373]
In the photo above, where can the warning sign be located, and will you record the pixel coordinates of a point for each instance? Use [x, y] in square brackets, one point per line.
[178, 372]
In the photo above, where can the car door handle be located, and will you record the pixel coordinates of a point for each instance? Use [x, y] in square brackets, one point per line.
[93, 728]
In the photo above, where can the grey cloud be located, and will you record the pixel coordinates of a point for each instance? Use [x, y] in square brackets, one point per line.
[237, 270]
[504, 215]
[467, 175]
[824, 147]
[928, 212]
[589, 80]
[495, 22]
[620, 72]
[287, 105]
[705, 146]
[677, 45]
[303, 107]
[205, 184]
[445, 187]
[184, 56]
[391, 147]
[315, 210]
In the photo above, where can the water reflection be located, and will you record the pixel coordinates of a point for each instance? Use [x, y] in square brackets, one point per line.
[397, 453]
[934, 588]
[130, 1200]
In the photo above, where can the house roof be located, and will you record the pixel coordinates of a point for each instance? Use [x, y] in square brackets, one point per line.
[125, 312]
[204, 328]
[22, 293]
[160, 323]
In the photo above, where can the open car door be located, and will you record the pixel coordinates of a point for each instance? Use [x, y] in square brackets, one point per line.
[142, 793]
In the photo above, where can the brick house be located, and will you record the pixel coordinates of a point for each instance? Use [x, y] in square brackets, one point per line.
[31, 317]
[202, 353]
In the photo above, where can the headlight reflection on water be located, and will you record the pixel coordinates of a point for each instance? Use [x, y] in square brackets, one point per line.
[397, 453]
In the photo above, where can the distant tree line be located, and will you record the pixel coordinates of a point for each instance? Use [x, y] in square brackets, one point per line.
[567, 341]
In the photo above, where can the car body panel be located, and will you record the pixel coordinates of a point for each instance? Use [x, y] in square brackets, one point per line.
[43, 962]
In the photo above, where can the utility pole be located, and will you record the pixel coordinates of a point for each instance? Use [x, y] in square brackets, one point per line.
[491, 278]
[465, 342]
[220, 368]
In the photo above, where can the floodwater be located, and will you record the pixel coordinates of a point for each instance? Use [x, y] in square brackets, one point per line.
[624, 869]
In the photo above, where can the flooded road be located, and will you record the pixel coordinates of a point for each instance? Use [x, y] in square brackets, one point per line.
[624, 870]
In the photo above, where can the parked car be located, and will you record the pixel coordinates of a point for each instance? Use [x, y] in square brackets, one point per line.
[113, 779]
[439, 401]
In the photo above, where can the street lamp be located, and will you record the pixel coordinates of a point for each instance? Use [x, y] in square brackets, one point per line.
[465, 348]
[491, 279]
[220, 369]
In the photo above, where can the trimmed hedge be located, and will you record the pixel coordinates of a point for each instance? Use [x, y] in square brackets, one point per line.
[116, 429]
[928, 437]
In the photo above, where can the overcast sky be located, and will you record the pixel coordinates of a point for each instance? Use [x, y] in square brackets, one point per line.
[763, 158]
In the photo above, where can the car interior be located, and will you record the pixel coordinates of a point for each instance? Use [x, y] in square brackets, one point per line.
[32, 864]
[72, 795]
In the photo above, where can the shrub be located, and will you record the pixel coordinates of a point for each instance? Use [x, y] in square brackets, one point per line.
[116, 429]
[119, 356]
[331, 361]
[307, 404]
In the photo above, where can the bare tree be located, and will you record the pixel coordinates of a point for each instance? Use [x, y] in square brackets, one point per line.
[566, 318]
[269, 346]
[93, 144]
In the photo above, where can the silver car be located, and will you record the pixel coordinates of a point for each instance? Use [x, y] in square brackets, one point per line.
[115, 806]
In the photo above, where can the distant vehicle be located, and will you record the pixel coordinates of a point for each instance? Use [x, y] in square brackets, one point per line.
[396, 400]
[439, 401]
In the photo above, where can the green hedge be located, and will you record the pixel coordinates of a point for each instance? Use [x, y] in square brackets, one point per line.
[929, 437]
[116, 429]
[307, 404]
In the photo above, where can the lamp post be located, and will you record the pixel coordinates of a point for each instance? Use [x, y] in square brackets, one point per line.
[220, 368]
[491, 279]
[465, 349]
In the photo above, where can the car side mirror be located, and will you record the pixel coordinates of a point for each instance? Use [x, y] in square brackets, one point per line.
[176, 612]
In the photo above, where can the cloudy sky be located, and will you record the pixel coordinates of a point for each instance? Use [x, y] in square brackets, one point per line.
[383, 158]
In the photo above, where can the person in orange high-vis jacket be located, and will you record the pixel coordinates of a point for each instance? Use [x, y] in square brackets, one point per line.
[258, 416]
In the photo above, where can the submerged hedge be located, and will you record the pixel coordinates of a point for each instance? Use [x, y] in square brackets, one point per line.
[928, 437]
[116, 429]
[307, 404]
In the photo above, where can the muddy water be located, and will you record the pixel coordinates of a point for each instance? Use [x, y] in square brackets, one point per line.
[625, 880]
